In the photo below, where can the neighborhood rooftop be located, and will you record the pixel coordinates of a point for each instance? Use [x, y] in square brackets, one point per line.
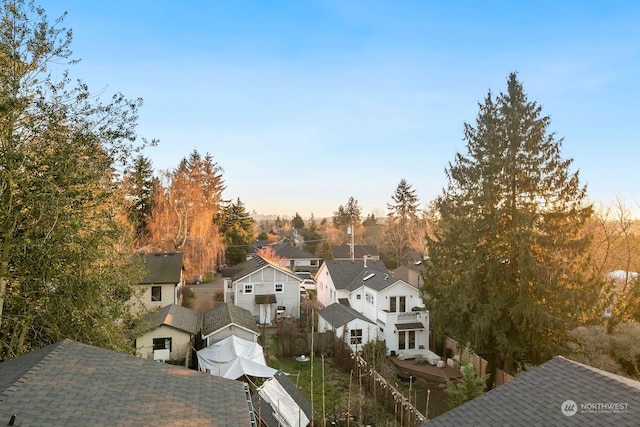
[226, 314]
[69, 383]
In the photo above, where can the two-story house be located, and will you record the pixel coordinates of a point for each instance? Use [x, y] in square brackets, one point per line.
[162, 282]
[395, 306]
[265, 288]
[295, 259]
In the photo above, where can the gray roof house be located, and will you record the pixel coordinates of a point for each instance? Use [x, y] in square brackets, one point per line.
[162, 282]
[265, 288]
[296, 259]
[171, 328]
[227, 319]
[338, 317]
[560, 392]
[74, 384]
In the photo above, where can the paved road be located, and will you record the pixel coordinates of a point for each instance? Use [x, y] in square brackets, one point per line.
[204, 295]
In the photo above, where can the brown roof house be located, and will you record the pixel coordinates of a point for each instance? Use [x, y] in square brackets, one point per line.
[171, 333]
[162, 283]
[74, 384]
[560, 392]
[225, 320]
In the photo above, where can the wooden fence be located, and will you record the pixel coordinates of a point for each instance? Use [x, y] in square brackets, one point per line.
[481, 364]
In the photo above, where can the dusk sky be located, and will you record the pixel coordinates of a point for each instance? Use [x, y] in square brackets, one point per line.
[307, 103]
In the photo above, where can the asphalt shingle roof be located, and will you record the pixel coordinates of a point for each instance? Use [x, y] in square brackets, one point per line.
[338, 315]
[538, 397]
[162, 268]
[74, 384]
[291, 252]
[344, 272]
[226, 314]
[254, 264]
[373, 279]
[176, 316]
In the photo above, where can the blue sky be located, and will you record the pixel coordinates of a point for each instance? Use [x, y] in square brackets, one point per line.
[307, 103]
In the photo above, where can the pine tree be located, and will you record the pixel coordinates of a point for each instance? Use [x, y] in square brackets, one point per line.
[237, 227]
[403, 235]
[139, 181]
[510, 268]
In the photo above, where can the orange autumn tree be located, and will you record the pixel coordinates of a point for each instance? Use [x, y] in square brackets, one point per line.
[186, 201]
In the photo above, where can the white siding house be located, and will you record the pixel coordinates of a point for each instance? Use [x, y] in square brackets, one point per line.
[341, 318]
[395, 306]
[264, 288]
[162, 283]
[171, 328]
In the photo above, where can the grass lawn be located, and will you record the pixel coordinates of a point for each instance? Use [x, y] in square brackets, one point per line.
[342, 392]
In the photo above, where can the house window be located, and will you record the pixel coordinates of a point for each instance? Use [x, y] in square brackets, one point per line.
[162, 344]
[403, 305]
[314, 262]
[356, 336]
[358, 296]
[248, 288]
[279, 288]
[156, 293]
[412, 340]
[401, 340]
[392, 304]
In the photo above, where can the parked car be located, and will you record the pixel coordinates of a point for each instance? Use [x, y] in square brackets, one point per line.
[308, 284]
[303, 292]
[304, 275]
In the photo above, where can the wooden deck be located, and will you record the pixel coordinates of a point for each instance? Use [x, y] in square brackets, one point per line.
[426, 371]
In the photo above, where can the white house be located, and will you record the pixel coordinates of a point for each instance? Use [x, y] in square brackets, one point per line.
[162, 282]
[342, 318]
[170, 333]
[265, 288]
[367, 287]
[226, 320]
[295, 259]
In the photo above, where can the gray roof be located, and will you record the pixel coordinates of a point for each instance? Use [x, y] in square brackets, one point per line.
[263, 409]
[338, 315]
[162, 268]
[74, 384]
[373, 279]
[343, 272]
[537, 397]
[254, 264]
[225, 315]
[176, 316]
[359, 251]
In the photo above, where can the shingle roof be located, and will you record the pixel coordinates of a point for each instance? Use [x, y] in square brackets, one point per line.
[227, 314]
[359, 251]
[74, 384]
[162, 268]
[344, 272]
[372, 279]
[254, 264]
[338, 315]
[176, 316]
[539, 396]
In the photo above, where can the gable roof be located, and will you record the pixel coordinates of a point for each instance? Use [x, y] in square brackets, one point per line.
[343, 272]
[256, 263]
[338, 315]
[162, 268]
[359, 251]
[292, 252]
[178, 317]
[69, 383]
[228, 314]
[375, 280]
[538, 396]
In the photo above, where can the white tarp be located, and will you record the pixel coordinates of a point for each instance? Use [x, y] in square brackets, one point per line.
[234, 357]
[285, 409]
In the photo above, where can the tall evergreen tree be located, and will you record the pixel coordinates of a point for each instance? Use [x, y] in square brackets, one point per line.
[510, 269]
[139, 181]
[237, 227]
[64, 241]
[403, 236]
[347, 215]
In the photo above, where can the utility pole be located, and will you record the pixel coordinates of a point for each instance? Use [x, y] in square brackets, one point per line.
[351, 245]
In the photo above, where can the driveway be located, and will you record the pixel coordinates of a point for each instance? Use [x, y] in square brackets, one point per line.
[205, 295]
